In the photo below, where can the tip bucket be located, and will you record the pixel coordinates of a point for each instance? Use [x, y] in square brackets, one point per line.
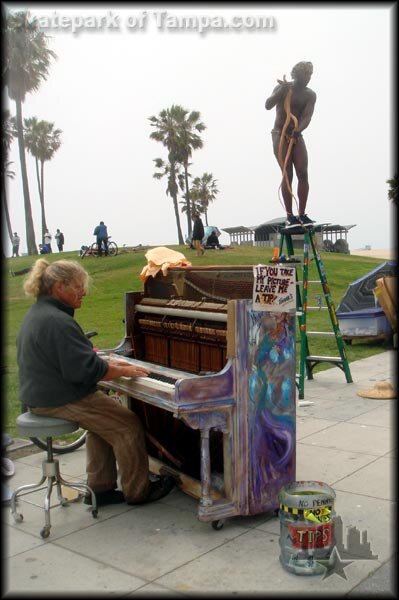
[306, 526]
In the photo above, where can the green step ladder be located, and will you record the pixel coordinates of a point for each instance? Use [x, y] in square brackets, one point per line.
[307, 361]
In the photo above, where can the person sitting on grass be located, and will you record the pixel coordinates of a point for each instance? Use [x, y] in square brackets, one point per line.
[213, 241]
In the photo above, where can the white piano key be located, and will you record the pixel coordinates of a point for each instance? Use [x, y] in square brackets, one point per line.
[153, 383]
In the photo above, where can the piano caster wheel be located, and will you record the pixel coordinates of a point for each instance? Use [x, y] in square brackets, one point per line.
[18, 518]
[94, 513]
[217, 525]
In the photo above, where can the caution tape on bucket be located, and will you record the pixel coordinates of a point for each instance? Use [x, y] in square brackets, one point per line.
[316, 515]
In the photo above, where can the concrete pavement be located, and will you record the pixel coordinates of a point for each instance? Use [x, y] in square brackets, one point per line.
[162, 548]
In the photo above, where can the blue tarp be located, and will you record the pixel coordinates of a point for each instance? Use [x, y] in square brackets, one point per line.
[359, 294]
[208, 230]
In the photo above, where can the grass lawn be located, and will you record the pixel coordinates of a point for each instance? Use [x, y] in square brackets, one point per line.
[103, 308]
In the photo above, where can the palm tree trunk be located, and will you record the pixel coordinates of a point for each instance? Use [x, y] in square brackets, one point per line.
[38, 176]
[188, 204]
[30, 232]
[6, 212]
[173, 192]
[176, 207]
[41, 192]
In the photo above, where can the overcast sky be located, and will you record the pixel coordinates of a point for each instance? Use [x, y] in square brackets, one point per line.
[112, 74]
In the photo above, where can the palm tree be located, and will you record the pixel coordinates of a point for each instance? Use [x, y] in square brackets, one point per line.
[166, 133]
[203, 192]
[11, 174]
[42, 141]
[26, 65]
[189, 128]
[7, 138]
[175, 180]
[177, 129]
[393, 189]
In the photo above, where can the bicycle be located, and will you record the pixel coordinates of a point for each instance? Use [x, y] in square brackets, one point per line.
[64, 444]
[92, 250]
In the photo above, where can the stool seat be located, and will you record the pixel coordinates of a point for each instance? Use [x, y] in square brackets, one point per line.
[33, 425]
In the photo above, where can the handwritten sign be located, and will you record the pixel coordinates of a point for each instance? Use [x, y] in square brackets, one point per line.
[274, 288]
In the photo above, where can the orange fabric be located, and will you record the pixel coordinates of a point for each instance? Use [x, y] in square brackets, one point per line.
[161, 259]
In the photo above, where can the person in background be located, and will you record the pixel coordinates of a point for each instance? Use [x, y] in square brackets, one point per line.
[189, 243]
[16, 240]
[47, 240]
[198, 234]
[101, 233]
[59, 238]
[58, 374]
[213, 241]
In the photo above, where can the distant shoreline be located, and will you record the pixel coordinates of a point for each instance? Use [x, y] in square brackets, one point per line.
[386, 254]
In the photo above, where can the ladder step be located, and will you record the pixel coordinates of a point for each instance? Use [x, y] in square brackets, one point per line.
[336, 359]
[292, 263]
[321, 333]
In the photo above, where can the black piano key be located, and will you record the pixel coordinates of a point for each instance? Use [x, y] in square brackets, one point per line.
[163, 378]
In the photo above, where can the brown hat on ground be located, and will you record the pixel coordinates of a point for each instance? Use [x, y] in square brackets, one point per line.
[382, 390]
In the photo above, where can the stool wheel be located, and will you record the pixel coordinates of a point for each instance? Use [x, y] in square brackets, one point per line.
[45, 532]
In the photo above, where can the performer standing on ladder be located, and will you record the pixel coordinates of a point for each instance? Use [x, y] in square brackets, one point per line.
[294, 103]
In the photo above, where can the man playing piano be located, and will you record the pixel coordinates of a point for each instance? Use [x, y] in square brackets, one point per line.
[58, 374]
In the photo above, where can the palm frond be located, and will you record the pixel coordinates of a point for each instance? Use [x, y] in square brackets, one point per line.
[27, 57]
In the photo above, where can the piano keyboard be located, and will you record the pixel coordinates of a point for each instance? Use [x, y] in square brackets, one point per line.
[164, 378]
[154, 384]
[156, 376]
[157, 373]
[157, 380]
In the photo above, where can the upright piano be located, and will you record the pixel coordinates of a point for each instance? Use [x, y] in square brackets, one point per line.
[219, 406]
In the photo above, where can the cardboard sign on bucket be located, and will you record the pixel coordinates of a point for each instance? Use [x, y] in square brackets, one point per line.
[306, 526]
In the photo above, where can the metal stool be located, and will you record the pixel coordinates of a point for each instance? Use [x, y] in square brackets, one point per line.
[31, 425]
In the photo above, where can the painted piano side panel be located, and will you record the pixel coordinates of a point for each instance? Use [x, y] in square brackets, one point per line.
[266, 398]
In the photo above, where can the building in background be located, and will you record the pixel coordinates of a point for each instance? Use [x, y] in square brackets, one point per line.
[331, 238]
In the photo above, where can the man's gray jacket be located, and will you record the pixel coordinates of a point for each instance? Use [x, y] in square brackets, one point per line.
[57, 363]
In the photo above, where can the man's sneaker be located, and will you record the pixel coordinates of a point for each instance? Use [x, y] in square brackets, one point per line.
[305, 221]
[157, 490]
[292, 221]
